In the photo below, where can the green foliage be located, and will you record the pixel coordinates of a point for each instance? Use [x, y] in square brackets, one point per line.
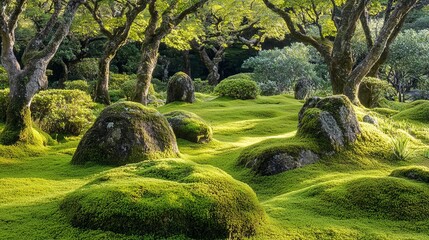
[159, 85]
[198, 201]
[373, 90]
[189, 126]
[118, 80]
[203, 86]
[237, 88]
[269, 88]
[383, 197]
[62, 111]
[400, 148]
[81, 85]
[116, 95]
[4, 101]
[420, 174]
[87, 69]
[283, 66]
[4, 78]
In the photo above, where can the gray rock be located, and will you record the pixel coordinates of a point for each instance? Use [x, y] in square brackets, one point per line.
[281, 162]
[126, 132]
[180, 88]
[303, 89]
[332, 120]
[370, 119]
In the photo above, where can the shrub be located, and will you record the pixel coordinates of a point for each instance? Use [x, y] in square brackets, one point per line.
[166, 198]
[116, 95]
[77, 85]
[117, 80]
[4, 100]
[87, 69]
[202, 86]
[373, 90]
[62, 111]
[238, 89]
[159, 85]
[4, 79]
[129, 89]
[269, 88]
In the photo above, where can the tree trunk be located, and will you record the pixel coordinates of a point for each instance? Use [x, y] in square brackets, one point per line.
[65, 74]
[187, 63]
[148, 62]
[101, 92]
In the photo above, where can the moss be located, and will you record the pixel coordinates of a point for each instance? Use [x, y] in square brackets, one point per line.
[197, 201]
[420, 174]
[387, 112]
[417, 112]
[127, 132]
[238, 89]
[383, 197]
[189, 126]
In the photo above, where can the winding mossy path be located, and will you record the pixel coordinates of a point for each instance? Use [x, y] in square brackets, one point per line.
[33, 181]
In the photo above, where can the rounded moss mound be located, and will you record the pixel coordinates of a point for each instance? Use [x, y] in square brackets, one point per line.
[420, 174]
[278, 155]
[166, 198]
[389, 198]
[126, 132]
[180, 88]
[418, 113]
[189, 126]
[238, 89]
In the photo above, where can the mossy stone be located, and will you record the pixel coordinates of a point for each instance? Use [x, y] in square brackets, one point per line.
[189, 126]
[180, 88]
[126, 132]
[166, 198]
[331, 119]
[303, 89]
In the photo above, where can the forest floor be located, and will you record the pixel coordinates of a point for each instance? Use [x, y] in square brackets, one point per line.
[33, 181]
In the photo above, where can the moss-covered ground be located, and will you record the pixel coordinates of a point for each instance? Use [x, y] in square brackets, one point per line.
[305, 203]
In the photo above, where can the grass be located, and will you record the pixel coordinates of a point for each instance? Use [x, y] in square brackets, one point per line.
[33, 182]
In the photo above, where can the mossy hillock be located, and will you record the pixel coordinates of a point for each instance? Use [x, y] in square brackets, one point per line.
[164, 198]
[189, 126]
[126, 132]
[381, 197]
[416, 173]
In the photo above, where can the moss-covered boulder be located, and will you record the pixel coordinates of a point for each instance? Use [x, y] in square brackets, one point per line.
[166, 198]
[303, 89]
[384, 197]
[180, 88]
[331, 120]
[189, 126]
[420, 173]
[126, 132]
[274, 156]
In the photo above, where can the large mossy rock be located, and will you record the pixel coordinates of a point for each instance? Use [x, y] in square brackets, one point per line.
[303, 89]
[189, 126]
[180, 88]
[126, 132]
[165, 198]
[331, 120]
[274, 156]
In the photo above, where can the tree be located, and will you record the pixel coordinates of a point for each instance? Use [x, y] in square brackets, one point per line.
[408, 60]
[164, 17]
[335, 23]
[121, 15]
[28, 77]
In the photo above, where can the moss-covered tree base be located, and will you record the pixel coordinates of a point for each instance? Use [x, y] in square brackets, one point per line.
[165, 198]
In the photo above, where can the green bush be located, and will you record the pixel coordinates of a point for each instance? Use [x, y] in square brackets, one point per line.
[202, 86]
[167, 198]
[269, 88]
[117, 80]
[129, 89]
[77, 85]
[62, 111]
[116, 95]
[238, 89]
[159, 85]
[373, 90]
[4, 100]
[87, 69]
[4, 79]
